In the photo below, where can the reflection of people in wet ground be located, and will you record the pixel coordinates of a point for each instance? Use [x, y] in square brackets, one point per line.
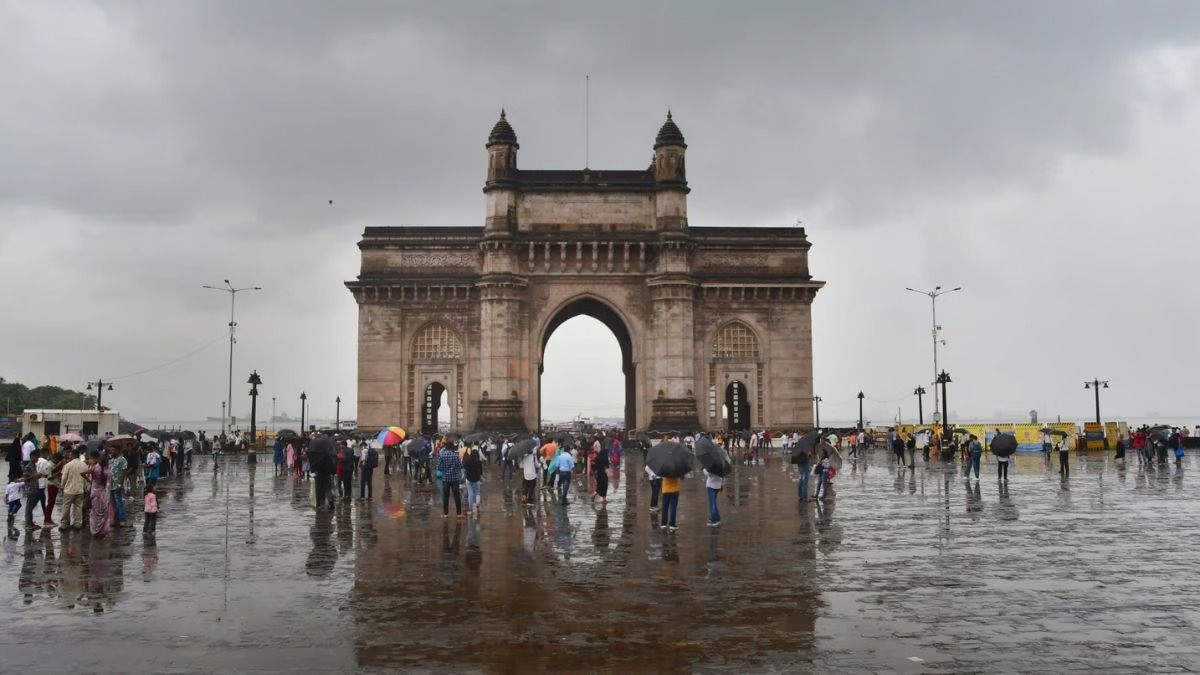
[323, 556]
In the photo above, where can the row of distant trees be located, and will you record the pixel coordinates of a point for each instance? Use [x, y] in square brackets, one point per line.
[15, 398]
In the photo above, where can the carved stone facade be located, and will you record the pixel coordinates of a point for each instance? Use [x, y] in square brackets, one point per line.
[714, 323]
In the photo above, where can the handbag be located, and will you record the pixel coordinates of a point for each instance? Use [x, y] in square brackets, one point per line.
[1178, 453]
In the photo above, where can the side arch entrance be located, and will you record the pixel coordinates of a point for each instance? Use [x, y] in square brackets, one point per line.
[737, 407]
[606, 315]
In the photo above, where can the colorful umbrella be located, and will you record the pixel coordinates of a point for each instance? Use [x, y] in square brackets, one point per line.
[71, 438]
[391, 436]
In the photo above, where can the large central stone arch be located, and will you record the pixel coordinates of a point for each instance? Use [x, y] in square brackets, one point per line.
[622, 327]
[615, 245]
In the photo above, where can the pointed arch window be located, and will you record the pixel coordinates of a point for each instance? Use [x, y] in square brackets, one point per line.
[735, 340]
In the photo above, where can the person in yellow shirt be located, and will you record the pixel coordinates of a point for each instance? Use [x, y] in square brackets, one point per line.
[670, 502]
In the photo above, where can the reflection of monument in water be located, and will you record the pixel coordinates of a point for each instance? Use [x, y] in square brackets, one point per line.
[714, 323]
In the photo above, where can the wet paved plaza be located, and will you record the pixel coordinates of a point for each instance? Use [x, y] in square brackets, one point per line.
[905, 571]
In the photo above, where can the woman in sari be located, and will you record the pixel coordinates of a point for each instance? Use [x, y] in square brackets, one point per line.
[99, 476]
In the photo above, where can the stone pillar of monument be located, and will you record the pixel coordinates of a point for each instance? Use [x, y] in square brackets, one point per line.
[502, 293]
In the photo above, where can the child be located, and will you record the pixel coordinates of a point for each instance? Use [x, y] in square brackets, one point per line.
[12, 495]
[150, 524]
[152, 468]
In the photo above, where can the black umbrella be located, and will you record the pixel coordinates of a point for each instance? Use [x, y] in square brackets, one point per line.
[1054, 432]
[1004, 445]
[712, 457]
[477, 437]
[285, 434]
[807, 445]
[642, 437]
[670, 460]
[518, 451]
[321, 452]
[187, 435]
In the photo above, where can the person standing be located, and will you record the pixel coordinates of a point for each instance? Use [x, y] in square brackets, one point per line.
[450, 469]
[600, 467]
[53, 469]
[370, 462]
[822, 472]
[150, 512]
[1064, 466]
[99, 476]
[1002, 468]
[670, 502]
[117, 465]
[713, 485]
[278, 453]
[803, 461]
[74, 485]
[565, 466]
[473, 471]
[529, 471]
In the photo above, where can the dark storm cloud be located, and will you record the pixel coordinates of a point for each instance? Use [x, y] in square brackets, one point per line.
[195, 141]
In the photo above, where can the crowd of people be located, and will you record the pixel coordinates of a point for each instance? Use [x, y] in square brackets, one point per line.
[90, 481]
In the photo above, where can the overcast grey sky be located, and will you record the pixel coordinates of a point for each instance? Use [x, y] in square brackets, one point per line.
[1042, 155]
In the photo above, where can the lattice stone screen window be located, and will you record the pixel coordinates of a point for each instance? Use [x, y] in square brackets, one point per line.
[437, 342]
[735, 341]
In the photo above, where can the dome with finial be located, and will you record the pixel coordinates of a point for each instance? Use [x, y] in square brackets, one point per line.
[502, 132]
[669, 134]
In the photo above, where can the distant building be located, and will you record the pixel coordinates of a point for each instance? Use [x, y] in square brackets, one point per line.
[59, 422]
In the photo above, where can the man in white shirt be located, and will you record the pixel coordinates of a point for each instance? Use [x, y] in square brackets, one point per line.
[529, 471]
[27, 447]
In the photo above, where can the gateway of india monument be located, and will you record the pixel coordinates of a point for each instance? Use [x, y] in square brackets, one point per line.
[714, 323]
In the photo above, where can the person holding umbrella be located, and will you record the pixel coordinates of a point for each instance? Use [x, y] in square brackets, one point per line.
[1003, 446]
[672, 461]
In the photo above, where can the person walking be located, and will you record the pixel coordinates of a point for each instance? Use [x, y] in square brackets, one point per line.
[670, 502]
[713, 484]
[565, 466]
[473, 471]
[1002, 468]
[345, 472]
[1064, 465]
[117, 466]
[822, 472]
[655, 489]
[30, 479]
[278, 452]
[975, 450]
[369, 463]
[450, 472]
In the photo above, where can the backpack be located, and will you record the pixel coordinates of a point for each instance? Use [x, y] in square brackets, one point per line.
[372, 459]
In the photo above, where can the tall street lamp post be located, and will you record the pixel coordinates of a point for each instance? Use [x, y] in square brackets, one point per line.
[100, 385]
[1096, 384]
[943, 379]
[337, 416]
[920, 392]
[228, 288]
[254, 381]
[817, 402]
[272, 414]
[861, 396]
[303, 429]
[933, 295]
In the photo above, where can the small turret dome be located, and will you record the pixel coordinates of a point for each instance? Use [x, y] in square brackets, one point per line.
[669, 134]
[502, 132]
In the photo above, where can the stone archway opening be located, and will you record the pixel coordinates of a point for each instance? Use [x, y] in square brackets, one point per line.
[737, 407]
[610, 320]
[434, 408]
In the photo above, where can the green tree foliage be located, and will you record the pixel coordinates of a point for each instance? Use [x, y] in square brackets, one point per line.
[15, 398]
